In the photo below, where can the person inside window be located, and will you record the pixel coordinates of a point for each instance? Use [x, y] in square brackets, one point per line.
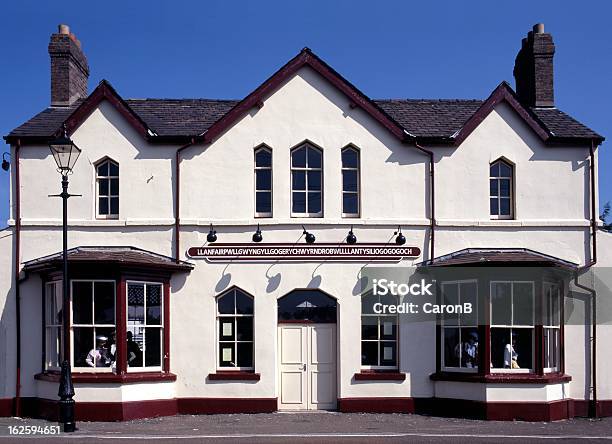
[99, 356]
[510, 355]
[470, 351]
[134, 354]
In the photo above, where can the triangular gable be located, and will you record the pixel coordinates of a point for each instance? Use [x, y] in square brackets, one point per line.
[305, 58]
[104, 91]
[503, 93]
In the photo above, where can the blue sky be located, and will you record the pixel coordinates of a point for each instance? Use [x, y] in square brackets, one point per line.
[224, 49]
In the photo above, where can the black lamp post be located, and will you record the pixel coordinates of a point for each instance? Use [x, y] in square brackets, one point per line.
[65, 153]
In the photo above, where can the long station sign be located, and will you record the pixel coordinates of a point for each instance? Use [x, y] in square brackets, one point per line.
[291, 252]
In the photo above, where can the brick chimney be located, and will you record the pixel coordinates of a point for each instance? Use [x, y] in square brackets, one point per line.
[533, 69]
[69, 68]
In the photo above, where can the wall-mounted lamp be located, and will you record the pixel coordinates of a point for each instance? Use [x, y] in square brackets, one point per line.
[257, 237]
[212, 235]
[5, 163]
[351, 239]
[400, 239]
[310, 238]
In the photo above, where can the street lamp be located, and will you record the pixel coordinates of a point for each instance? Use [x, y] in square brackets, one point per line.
[65, 153]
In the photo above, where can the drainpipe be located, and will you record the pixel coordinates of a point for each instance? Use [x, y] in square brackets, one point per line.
[432, 200]
[593, 402]
[177, 201]
[17, 292]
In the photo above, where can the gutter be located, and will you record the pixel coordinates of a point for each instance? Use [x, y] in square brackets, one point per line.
[432, 199]
[17, 406]
[177, 199]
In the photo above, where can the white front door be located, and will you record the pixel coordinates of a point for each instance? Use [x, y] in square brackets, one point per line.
[307, 360]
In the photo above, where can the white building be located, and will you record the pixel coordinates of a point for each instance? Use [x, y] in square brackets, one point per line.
[508, 181]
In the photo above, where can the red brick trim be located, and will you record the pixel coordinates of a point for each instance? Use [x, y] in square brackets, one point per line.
[376, 405]
[379, 376]
[195, 406]
[104, 378]
[234, 376]
[502, 378]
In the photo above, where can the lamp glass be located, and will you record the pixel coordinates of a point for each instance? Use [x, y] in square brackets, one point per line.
[65, 153]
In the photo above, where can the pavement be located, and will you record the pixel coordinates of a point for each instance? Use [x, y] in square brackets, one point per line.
[315, 427]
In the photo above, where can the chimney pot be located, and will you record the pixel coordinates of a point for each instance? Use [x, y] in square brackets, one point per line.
[63, 29]
[538, 28]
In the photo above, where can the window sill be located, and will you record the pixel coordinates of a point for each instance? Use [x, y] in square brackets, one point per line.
[379, 375]
[502, 378]
[233, 376]
[102, 378]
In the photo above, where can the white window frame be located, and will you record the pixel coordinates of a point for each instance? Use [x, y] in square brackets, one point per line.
[498, 196]
[306, 146]
[109, 196]
[93, 324]
[358, 192]
[379, 340]
[271, 190]
[58, 290]
[235, 341]
[161, 326]
[550, 312]
[458, 326]
[513, 327]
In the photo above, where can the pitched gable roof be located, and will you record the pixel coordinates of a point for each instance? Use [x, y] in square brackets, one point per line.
[428, 121]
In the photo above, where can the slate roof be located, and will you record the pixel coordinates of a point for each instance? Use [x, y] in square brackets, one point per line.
[423, 118]
[499, 257]
[116, 255]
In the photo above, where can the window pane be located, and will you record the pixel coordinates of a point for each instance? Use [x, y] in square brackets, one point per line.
[244, 328]
[504, 207]
[153, 347]
[299, 203]
[226, 354]
[103, 169]
[350, 203]
[244, 303]
[298, 158]
[387, 353]
[114, 205]
[469, 348]
[227, 328]
[494, 207]
[522, 310]
[314, 180]
[350, 159]
[114, 169]
[551, 348]
[450, 296]
[495, 170]
[54, 304]
[367, 303]
[452, 349]
[299, 180]
[469, 294]
[500, 339]
[388, 327]
[225, 303]
[314, 202]
[501, 304]
[104, 302]
[505, 170]
[103, 187]
[263, 202]
[135, 342]
[504, 187]
[369, 327]
[53, 346]
[263, 158]
[103, 205]
[349, 180]
[493, 187]
[524, 347]
[245, 354]
[263, 179]
[83, 343]
[114, 187]
[369, 353]
[314, 158]
[82, 303]
[136, 303]
[154, 304]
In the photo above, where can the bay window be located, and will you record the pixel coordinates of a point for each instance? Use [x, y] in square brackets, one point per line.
[460, 339]
[53, 325]
[551, 324]
[144, 345]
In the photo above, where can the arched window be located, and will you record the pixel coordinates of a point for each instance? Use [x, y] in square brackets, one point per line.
[307, 181]
[263, 182]
[235, 330]
[309, 306]
[350, 182]
[107, 189]
[501, 185]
